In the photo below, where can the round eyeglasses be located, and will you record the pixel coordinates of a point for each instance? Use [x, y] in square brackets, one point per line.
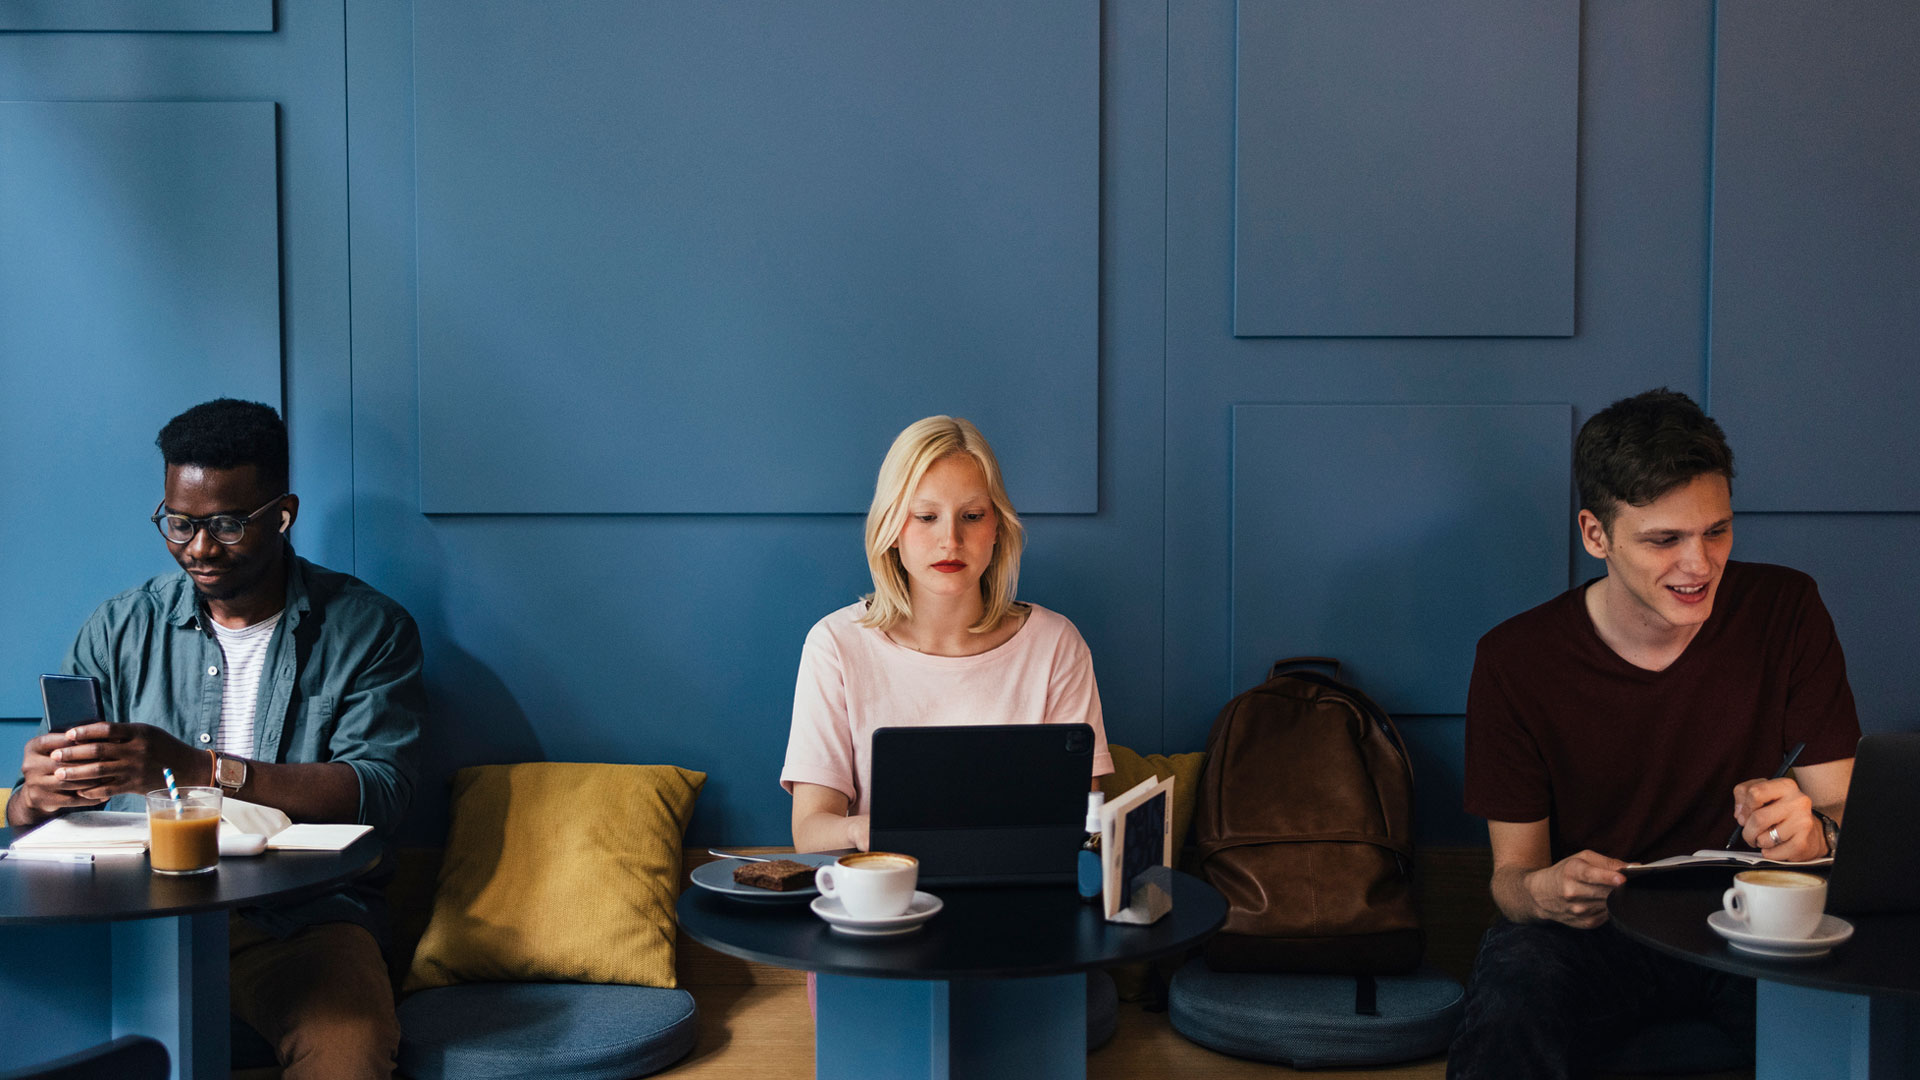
[227, 529]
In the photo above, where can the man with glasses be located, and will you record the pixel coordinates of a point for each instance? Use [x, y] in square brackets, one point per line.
[282, 682]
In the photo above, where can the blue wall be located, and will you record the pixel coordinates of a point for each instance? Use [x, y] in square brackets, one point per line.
[592, 322]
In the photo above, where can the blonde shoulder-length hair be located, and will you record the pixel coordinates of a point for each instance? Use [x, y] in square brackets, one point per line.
[913, 452]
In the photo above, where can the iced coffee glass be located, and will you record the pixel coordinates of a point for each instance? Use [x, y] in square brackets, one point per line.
[184, 832]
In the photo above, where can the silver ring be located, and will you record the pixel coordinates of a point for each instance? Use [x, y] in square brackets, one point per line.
[1775, 834]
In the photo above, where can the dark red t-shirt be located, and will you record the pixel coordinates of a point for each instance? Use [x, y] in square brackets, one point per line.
[1641, 764]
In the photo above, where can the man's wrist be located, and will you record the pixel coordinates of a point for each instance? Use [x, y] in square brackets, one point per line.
[1829, 831]
[20, 813]
[1513, 894]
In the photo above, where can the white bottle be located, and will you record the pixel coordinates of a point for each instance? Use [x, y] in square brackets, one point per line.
[1090, 875]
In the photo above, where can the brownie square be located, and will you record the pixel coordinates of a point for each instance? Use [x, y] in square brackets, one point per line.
[780, 875]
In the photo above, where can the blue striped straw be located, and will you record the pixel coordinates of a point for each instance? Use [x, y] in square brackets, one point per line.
[172, 791]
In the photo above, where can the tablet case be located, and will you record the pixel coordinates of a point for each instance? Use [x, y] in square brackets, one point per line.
[1878, 863]
[989, 804]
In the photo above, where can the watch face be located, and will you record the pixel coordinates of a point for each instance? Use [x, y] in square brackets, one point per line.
[232, 773]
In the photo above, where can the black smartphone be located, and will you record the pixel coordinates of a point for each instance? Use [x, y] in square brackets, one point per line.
[70, 700]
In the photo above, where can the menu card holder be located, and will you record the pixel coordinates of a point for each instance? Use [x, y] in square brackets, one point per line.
[1136, 844]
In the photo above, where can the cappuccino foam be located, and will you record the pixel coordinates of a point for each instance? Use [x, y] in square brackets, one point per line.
[1780, 879]
[878, 860]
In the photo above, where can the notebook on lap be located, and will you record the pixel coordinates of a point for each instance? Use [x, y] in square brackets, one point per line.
[1878, 861]
[1000, 804]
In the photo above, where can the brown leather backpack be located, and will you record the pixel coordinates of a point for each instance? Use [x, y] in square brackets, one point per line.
[1305, 822]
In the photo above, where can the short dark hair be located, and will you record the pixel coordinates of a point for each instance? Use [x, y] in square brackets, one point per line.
[1639, 448]
[225, 434]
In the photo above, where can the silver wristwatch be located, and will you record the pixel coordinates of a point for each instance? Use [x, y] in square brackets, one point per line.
[230, 772]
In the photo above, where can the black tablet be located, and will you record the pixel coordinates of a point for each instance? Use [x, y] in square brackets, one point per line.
[1878, 863]
[990, 804]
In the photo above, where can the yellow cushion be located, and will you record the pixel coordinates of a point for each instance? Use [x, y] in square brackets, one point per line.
[559, 872]
[1130, 768]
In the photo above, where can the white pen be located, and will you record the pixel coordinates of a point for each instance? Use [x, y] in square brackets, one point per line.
[47, 856]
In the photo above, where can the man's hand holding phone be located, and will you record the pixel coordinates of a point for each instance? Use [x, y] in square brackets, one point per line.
[101, 760]
[86, 765]
[42, 794]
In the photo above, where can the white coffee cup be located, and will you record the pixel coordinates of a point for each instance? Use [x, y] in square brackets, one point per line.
[1777, 903]
[870, 884]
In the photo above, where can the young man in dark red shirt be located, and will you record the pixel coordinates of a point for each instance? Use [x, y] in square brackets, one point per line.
[1632, 718]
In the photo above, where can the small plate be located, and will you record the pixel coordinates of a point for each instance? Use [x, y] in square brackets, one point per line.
[1832, 931]
[925, 906]
[717, 876]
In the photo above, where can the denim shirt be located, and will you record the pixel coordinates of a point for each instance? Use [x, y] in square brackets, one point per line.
[341, 682]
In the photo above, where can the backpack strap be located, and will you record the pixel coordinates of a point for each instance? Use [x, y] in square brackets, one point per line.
[1366, 996]
[1280, 666]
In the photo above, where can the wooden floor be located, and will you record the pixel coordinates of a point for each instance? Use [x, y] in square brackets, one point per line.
[750, 1031]
[765, 1033]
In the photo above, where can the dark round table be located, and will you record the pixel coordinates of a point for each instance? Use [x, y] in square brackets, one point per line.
[90, 951]
[115, 888]
[1821, 1017]
[992, 986]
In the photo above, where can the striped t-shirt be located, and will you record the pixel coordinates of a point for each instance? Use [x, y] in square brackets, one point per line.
[246, 652]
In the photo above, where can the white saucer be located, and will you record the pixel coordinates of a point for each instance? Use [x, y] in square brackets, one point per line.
[925, 906]
[1832, 931]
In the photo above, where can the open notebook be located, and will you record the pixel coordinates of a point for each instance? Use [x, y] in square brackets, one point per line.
[112, 832]
[1740, 859]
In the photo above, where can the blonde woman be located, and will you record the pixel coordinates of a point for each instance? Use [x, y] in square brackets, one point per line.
[940, 641]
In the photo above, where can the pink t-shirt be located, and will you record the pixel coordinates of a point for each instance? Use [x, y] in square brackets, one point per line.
[853, 679]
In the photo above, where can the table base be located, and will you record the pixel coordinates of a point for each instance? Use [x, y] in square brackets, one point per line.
[963, 1029]
[67, 988]
[1802, 1032]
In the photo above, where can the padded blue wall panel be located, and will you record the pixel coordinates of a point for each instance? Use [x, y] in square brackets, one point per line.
[13, 743]
[1816, 252]
[1405, 168]
[139, 274]
[740, 246]
[1391, 537]
[665, 637]
[137, 15]
[672, 637]
[299, 67]
[1851, 557]
[1437, 745]
[1645, 92]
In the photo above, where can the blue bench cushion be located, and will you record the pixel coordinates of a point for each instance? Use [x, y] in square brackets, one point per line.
[554, 1031]
[1308, 1021]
